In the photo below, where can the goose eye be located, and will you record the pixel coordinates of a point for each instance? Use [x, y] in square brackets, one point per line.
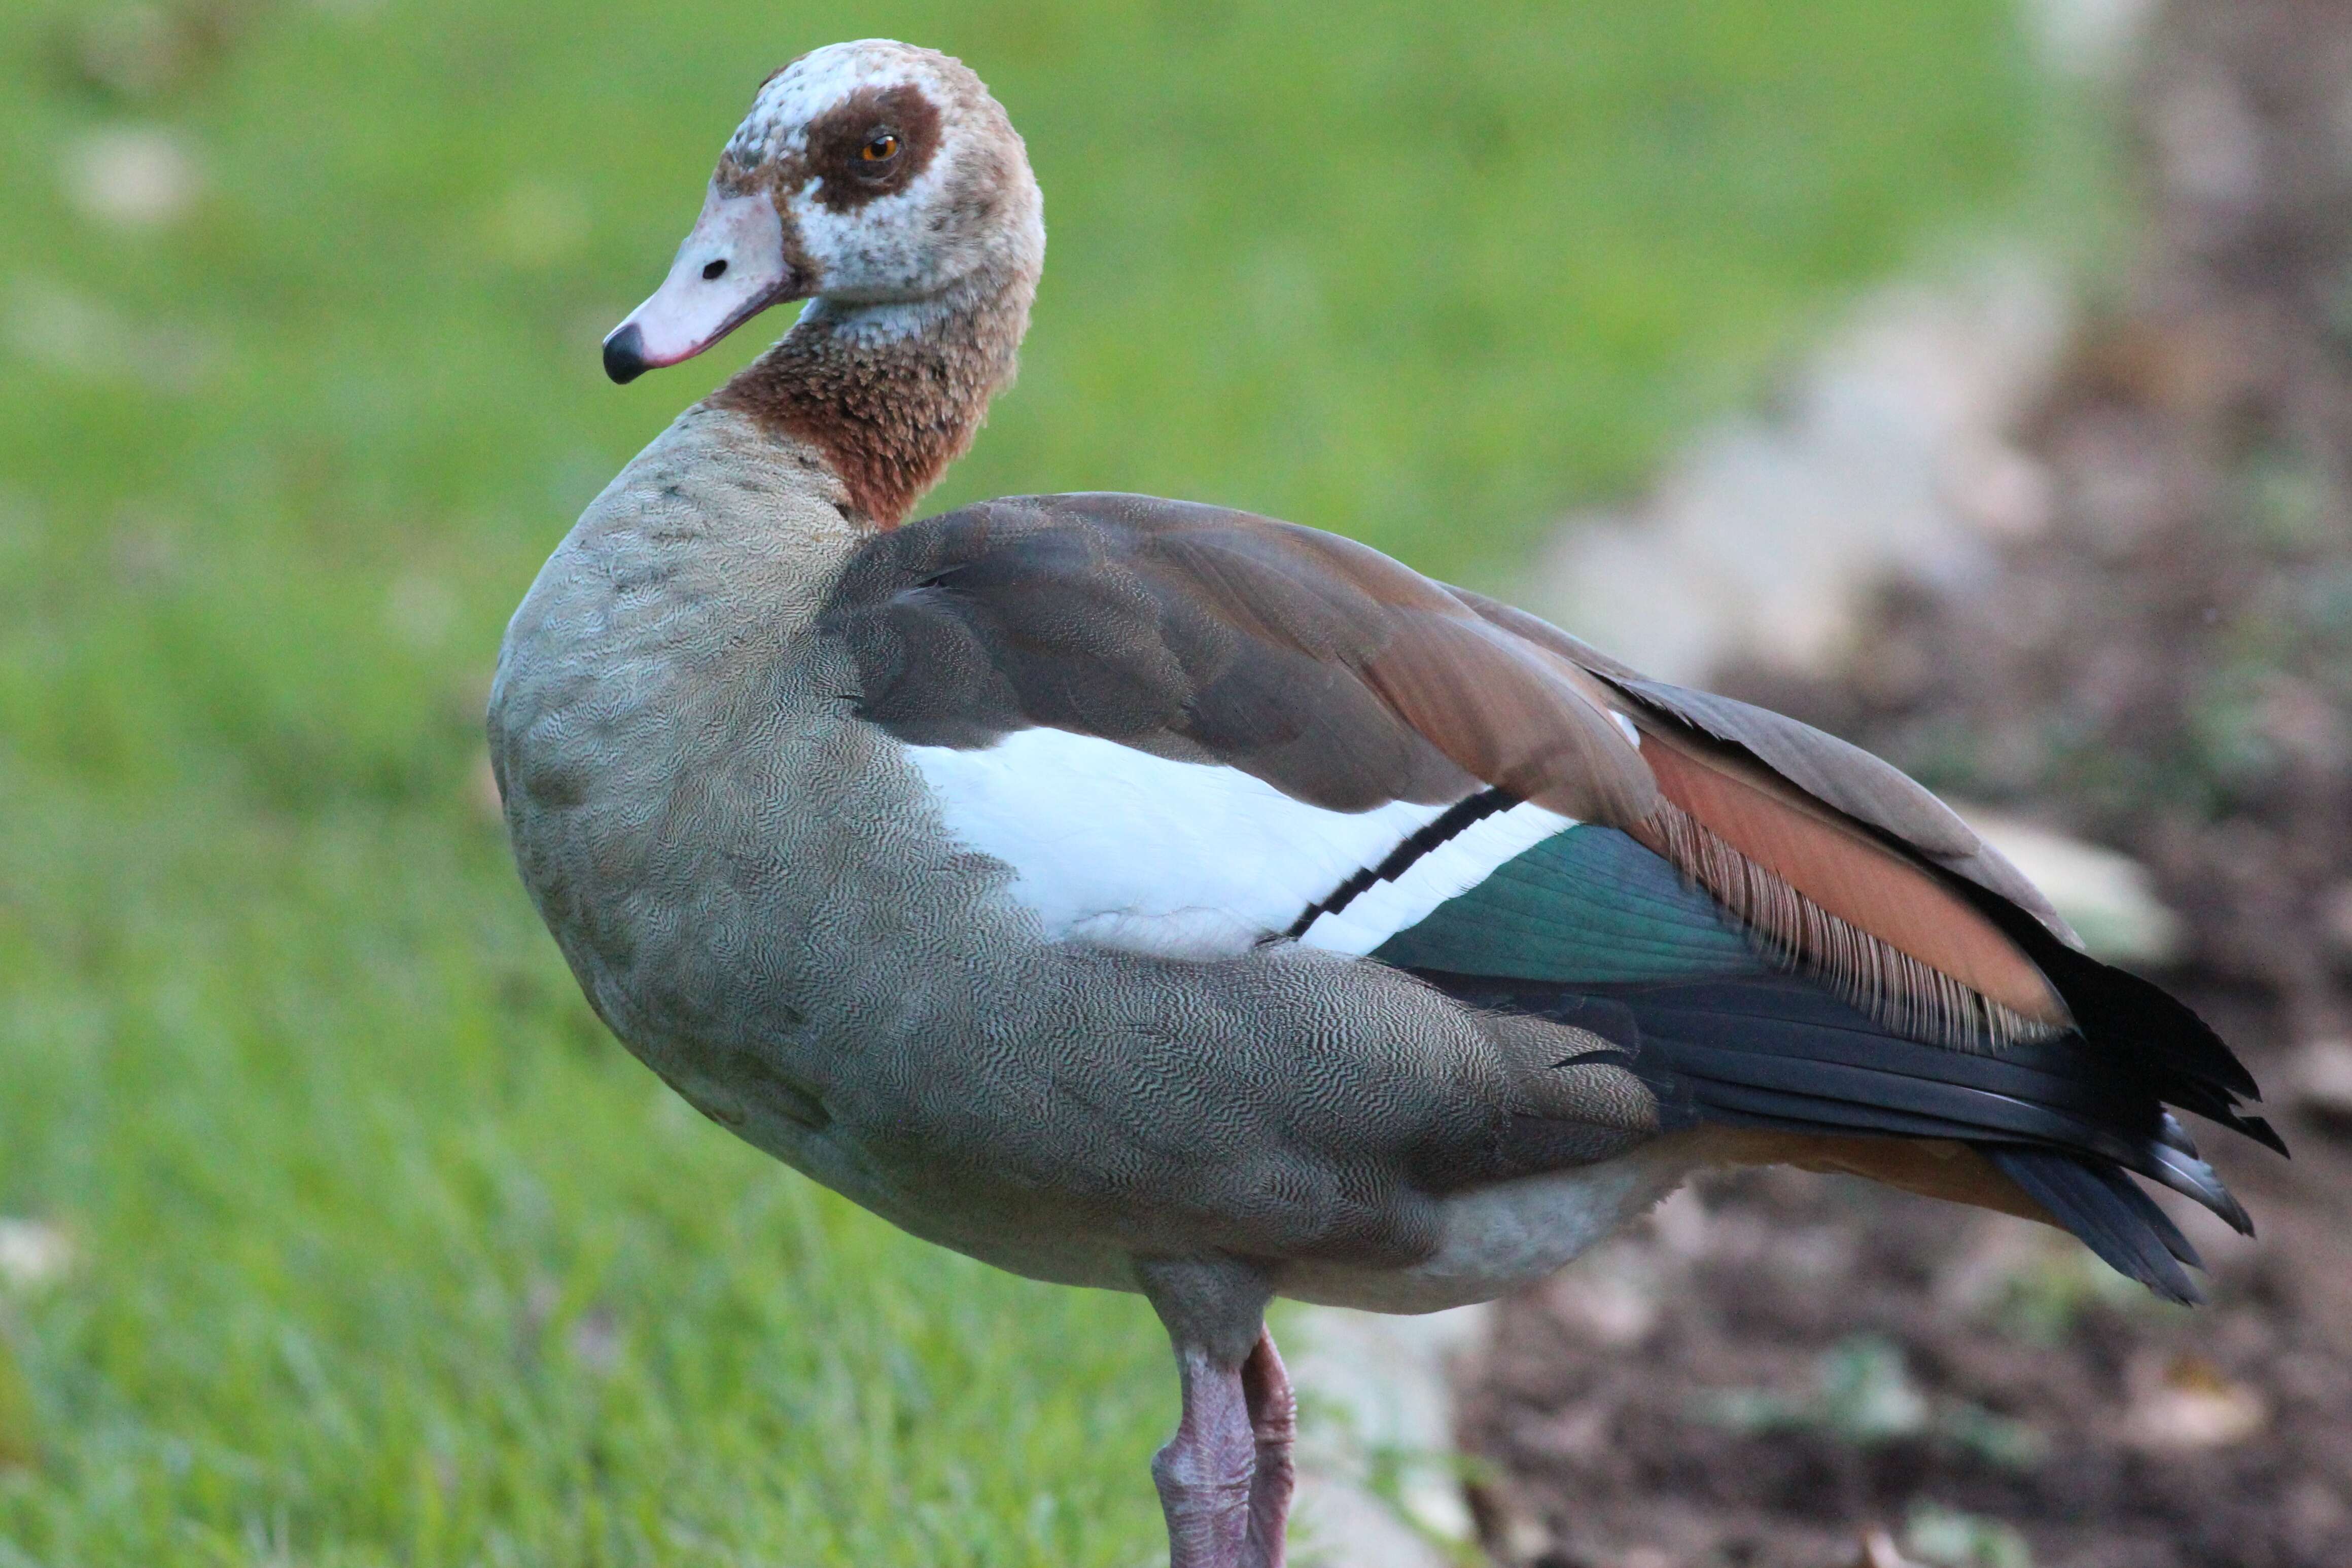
[881, 149]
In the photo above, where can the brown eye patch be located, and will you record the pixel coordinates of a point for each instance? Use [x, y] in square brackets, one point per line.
[872, 143]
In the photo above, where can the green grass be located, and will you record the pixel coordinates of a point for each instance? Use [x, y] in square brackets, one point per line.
[387, 1254]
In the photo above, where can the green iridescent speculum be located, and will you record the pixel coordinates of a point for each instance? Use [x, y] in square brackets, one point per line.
[1587, 904]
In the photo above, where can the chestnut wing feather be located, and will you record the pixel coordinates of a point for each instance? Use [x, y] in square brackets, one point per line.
[1835, 772]
[1324, 668]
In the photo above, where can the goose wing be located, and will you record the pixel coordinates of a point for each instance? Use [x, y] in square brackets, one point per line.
[1189, 730]
[1193, 727]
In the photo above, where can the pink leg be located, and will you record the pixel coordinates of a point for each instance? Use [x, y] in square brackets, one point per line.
[1204, 1474]
[1274, 1423]
[1224, 1478]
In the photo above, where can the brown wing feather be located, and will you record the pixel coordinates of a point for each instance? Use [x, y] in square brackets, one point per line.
[1506, 712]
[1511, 720]
[1835, 772]
[1325, 668]
[1835, 899]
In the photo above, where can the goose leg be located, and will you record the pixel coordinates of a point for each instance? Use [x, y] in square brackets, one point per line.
[1274, 1423]
[1204, 1474]
[1225, 1479]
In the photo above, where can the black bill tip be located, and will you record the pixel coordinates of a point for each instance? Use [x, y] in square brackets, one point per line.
[624, 355]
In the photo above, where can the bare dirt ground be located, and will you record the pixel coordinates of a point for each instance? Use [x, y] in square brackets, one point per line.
[2163, 663]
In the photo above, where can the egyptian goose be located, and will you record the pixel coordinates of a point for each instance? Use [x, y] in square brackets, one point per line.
[1147, 896]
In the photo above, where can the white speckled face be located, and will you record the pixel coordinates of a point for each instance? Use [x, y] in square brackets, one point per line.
[893, 176]
[778, 122]
[893, 170]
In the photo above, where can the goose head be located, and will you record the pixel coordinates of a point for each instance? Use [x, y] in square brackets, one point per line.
[878, 179]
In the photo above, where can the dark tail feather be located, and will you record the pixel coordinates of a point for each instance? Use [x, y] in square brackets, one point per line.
[2178, 1168]
[2067, 1120]
[2109, 1213]
[2135, 1021]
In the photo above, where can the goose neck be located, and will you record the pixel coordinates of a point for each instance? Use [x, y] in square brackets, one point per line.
[889, 392]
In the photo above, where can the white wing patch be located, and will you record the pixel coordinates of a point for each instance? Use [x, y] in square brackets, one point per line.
[1450, 870]
[1189, 859]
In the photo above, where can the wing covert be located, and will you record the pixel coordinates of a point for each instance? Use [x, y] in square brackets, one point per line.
[1198, 633]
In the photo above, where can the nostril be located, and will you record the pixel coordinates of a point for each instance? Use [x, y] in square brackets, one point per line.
[716, 270]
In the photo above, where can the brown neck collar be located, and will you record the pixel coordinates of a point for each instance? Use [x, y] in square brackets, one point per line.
[891, 394]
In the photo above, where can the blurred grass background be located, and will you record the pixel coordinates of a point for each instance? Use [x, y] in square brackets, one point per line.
[381, 1250]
